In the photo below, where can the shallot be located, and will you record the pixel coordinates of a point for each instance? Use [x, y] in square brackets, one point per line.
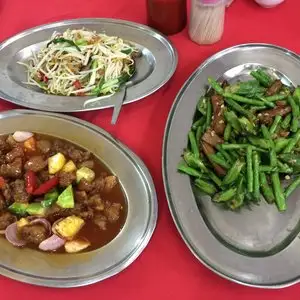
[54, 242]
[22, 136]
[11, 234]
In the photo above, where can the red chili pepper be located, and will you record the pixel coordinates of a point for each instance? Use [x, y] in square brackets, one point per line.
[31, 181]
[46, 79]
[46, 186]
[77, 84]
[2, 182]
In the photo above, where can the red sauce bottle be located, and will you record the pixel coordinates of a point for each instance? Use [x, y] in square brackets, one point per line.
[167, 16]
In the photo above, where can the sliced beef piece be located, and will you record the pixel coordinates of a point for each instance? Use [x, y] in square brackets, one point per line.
[11, 142]
[84, 185]
[283, 133]
[14, 153]
[112, 211]
[7, 193]
[66, 178]
[2, 158]
[12, 170]
[4, 146]
[281, 103]
[44, 146]
[88, 163]
[100, 221]
[104, 184]
[55, 212]
[59, 146]
[2, 203]
[208, 150]
[218, 124]
[19, 191]
[274, 88]
[211, 138]
[43, 175]
[6, 218]
[83, 210]
[267, 116]
[96, 202]
[77, 155]
[34, 234]
[110, 182]
[35, 163]
[81, 197]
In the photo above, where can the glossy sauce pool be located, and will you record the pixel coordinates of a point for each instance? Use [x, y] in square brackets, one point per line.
[98, 238]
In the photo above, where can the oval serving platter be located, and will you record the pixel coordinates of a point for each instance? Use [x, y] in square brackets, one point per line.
[154, 68]
[257, 247]
[64, 270]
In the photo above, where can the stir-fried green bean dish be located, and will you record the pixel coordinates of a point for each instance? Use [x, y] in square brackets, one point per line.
[245, 142]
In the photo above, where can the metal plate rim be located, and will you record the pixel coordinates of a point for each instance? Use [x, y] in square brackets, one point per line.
[181, 230]
[136, 252]
[148, 30]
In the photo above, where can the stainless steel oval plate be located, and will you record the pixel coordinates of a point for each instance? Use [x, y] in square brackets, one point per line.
[258, 247]
[154, 68]
[63, 270]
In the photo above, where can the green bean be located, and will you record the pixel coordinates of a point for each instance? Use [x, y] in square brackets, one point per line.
[219, 161]
[188, 170]
[266, 189]
[193, 143]
[265, 75]
[256, 176]
[295, 113]
[257, 108]
[292, 142]
[235, 106]
[280, 144]
[244, 99]
[275, 124]
[208, 113]
[239, 196]
[195, 162]
[267, 102]
[199, 133]
[240, 146]
[268, 169]
[225, 154]
[296, 95]
[233, 120]
[215, 85]
[276, 97]
[249, 170]
[291, 159]
[273, 158]
[261, 143]
[233, 172]
[225, 196]
[205, 187]
[279, 196]
[227, 132]
[286, 122]
[196, 124]
[284, 168]
[247, 125]
[260, 79]
[292, 187]
[202, 105]
[266, 132]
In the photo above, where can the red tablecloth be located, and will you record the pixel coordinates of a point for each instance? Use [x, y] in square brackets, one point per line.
[166, 269]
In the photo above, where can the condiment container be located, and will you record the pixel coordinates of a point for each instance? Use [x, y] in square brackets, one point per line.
[206, 24]
[268, 3]
[167, 16]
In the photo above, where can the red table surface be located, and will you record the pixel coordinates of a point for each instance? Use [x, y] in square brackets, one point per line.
[166, 269]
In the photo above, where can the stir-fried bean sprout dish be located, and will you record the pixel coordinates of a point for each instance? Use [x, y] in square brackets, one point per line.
[80, 62]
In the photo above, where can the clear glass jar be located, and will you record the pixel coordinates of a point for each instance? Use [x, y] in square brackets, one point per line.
[207, 17]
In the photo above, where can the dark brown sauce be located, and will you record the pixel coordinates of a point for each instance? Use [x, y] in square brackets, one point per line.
[98, 238]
